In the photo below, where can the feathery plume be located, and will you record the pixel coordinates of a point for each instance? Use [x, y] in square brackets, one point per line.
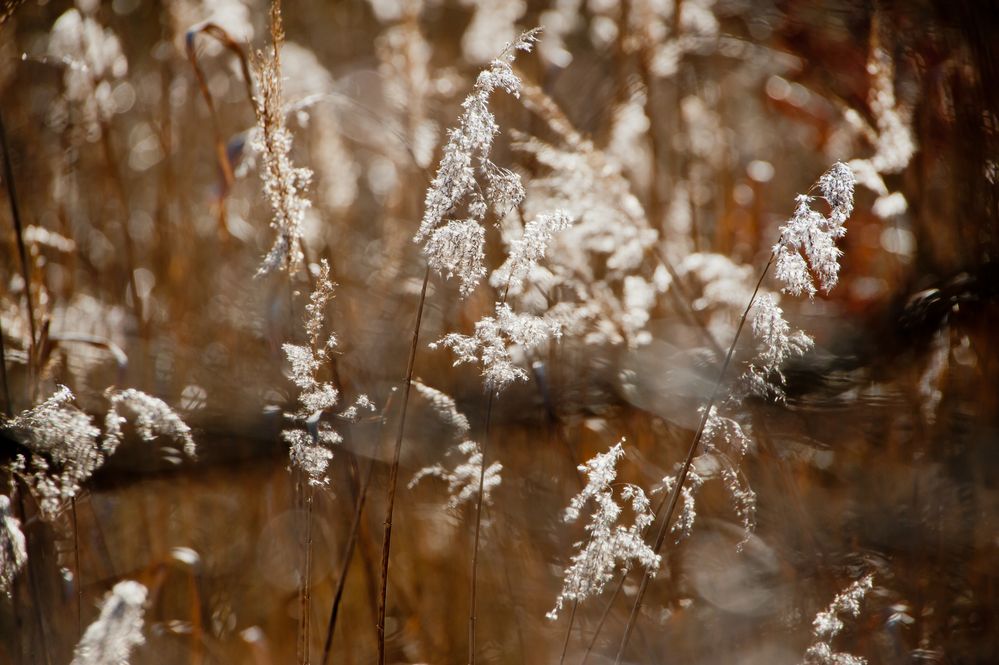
[724, 440]
[891, 137]
[312, 439]
[153, 417]
[456, 247]
[828, 625]
[493, 340]
[63, 450]
[684, 524]
[463, 479]
[725, 444]
[608, 543]
[895, 144]
[13, 549]
[445, 408]
[811, 235]
[353, 412]
[284, 183]
[110, 639]
[777, 344]
[526, 251]
[610, 239]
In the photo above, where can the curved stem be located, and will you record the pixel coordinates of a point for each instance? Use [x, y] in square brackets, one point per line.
[221, 154]
[394, 472]
[682, 476]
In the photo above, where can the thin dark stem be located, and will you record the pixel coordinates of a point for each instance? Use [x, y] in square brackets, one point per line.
[682, 476]
[79, 569]
[15, 213]
[394, 472]
[473, 583]
[299, 500]
[102, 543]
[307, 580]
[8, 406]
[603, 617]
[43, 632]
[355, 526]
[554, 429]
[345, 563]
[655, 142]
[516, 615]
[568, 631]
[478, 527]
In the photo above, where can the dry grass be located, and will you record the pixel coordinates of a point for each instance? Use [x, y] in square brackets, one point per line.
[137, 214]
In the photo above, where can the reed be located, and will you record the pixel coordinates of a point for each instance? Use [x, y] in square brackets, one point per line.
[300, 380]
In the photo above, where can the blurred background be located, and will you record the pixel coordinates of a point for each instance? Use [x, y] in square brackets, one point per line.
[677, 133]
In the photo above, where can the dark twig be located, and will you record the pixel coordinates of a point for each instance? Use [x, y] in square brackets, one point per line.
[394, 472]
[568, 631]
[603, 617]
[307, 579]
[8, 405]
[348, 555]
[15, 213]
[78, 569]
[33, 585]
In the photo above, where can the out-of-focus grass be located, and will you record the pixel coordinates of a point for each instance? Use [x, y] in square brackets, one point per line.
[852, 473]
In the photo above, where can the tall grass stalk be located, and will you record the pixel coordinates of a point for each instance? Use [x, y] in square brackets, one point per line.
[682, 475]
[348, 555]
[33, 586]
[568, 631]
[473, 584]
[307, 578]
[101, 539]
[15, 213]
[361, 482]
[352, 536]
[78, 569]
[8, 406]
[394, 472]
